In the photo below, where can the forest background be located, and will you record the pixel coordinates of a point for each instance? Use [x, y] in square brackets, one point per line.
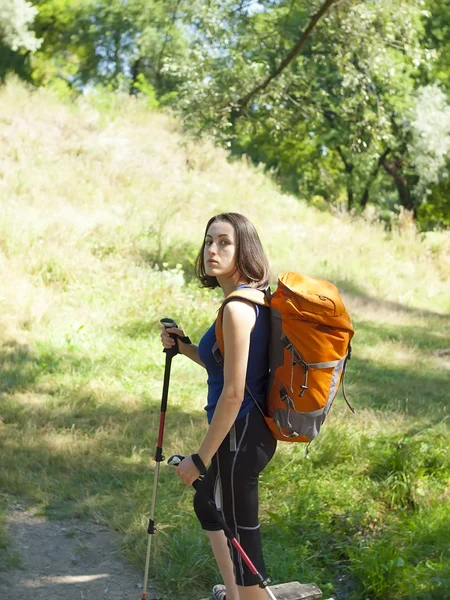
[346, 102]
[135, 121]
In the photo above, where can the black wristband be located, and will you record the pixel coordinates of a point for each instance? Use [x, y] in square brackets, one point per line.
[200, 465]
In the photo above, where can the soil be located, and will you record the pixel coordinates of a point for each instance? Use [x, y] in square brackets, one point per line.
[66, 560]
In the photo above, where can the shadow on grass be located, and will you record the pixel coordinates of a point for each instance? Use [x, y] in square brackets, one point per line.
[64, 443]
[94, 460]
[408, 388]
[405, 389]
[18, 366]
[21, 365]
[304, 550]
[353, 291]
[419, 337]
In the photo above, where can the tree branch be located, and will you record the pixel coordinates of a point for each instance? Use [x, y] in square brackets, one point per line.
[243, 102]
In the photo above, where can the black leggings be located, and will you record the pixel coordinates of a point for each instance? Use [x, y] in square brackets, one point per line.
[232, 483]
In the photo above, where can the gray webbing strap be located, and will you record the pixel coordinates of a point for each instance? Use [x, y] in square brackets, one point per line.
[254, 400]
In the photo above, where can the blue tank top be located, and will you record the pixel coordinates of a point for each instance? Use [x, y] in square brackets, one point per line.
[257, 367]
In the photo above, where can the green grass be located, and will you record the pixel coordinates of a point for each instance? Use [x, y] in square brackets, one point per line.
[8, 558]
[103, 208]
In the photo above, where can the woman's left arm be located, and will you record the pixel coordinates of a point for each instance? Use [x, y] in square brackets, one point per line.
[238, 321]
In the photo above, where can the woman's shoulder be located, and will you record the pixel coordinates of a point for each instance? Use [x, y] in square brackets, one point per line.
[239, 312]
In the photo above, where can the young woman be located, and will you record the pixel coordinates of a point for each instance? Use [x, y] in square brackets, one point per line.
[238, 444]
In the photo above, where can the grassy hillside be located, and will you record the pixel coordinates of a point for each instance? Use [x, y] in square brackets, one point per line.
[103, 205]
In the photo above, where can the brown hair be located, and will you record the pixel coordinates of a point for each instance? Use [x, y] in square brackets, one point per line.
[251, 262]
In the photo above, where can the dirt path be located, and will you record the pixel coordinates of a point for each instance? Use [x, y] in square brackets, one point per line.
[67, 560]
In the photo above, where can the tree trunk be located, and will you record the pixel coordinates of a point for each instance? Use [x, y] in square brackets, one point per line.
[135, 70]
[117, 48]
[365, 196]
[394, 169]
[349, 170]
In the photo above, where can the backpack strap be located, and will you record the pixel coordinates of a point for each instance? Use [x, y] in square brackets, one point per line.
[251, 295]
[347, 358]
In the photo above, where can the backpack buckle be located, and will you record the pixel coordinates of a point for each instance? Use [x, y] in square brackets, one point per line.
[305, 383]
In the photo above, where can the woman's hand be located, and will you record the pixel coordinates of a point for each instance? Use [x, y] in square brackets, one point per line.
[167, 340]
[187, 471]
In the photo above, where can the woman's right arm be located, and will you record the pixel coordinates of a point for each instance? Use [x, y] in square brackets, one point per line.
[189, 350]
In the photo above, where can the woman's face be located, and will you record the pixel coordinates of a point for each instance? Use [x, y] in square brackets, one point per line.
[220, 250]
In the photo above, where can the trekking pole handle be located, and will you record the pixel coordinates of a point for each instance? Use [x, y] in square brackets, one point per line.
[175, 460]
[168, 323]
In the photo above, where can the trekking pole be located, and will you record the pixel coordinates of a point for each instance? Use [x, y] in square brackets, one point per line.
[263, 583]
[170, 353]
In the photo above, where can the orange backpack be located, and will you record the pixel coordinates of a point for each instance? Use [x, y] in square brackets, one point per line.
[309, 348]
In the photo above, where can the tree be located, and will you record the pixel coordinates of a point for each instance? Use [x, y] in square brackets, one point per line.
[350, 89]
[16, 17]
[16, 37]
[430, 154]
[436, 38]
[108, 42]
[323, 91]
